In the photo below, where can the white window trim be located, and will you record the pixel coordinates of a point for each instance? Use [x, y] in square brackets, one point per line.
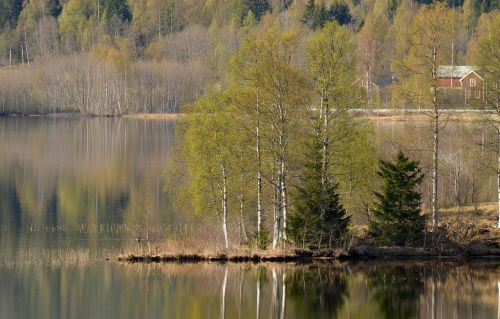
[472, 82]
[477, 94]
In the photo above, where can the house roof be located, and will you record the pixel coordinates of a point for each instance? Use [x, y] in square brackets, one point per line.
[455, 71]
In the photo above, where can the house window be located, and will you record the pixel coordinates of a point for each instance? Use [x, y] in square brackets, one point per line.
[477, 94]
[467, 93]
[364, 83]
[472, 82]
[358, 93]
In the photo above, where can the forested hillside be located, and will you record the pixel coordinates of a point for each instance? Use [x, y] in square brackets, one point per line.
[129, 56]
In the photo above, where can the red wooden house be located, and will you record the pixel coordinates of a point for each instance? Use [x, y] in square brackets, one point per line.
[462, 80]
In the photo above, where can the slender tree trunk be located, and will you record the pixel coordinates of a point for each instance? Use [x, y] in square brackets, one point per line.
[498, 174]
[435, 151]
[277, 213]
[224, 206]
[259, 175]
[258, 296]
[434, 297]
[435, 167]
[26, 45]
[283, 295]
[283, 201]
[243, 231]
[274, 297]
[324, 164]
[223, 297]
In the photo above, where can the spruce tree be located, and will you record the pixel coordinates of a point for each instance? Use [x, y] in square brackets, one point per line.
[309, 14]
[396, 216]
[258, 7]
[119, 8]
[320, 17]
[340, 12]
[318, 218]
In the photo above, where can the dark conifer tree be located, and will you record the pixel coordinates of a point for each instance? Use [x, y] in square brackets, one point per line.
[118, 8]
[307, 225]
[9, 12]
[320, 17]
[340, 12]
[396, 216]
[54, 8]
[309, 14]
[258, 7]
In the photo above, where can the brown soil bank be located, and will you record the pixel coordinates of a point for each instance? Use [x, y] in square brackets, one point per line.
[300, 255]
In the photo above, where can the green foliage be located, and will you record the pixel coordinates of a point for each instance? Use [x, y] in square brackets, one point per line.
[396, 216]
[488, 59]
[258, 7]
[316, 16]
[392, 7]
[263, 239]
[318, 217]
[119, 8]
[9, 12]
[309, 14]
[77, 22]
[340, 12]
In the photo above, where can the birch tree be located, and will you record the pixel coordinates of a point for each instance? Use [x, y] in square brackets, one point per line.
[433, 30]
[488, 58]
[207, 151]
[285, 94]
[273, 94]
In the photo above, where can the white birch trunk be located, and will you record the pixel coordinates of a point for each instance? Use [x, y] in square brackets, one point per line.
[258, 297]
[274, 308]
[224, 206]
[277, 212]
[498, 174]
[283, 295]
[283, 202]
[259, 174]
[435, 167]
[324, 164]
[434, 298]
[435, 151]
[223, 297]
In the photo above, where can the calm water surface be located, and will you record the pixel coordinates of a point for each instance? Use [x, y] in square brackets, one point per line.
[84, 184]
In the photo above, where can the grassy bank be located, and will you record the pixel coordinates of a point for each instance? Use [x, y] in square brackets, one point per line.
[476, 251]
[465, 233]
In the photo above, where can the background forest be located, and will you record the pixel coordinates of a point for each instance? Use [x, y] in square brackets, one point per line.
[130, 56]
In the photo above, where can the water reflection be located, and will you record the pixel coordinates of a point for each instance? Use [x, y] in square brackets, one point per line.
[67, 182]
[359, 290]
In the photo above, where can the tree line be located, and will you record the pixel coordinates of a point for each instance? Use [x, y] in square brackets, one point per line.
[279, 139]
[198, 38]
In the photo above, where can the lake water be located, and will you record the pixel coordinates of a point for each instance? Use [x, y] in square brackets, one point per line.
[74, 190]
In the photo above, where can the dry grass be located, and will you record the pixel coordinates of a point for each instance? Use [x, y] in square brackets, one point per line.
[155, 116]
[53, 258]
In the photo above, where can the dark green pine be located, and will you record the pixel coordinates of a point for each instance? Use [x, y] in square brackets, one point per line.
[307, 225]
[397, 215]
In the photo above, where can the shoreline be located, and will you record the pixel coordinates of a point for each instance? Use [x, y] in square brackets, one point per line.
[149, 116]
[371, 115]
[361, 252]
